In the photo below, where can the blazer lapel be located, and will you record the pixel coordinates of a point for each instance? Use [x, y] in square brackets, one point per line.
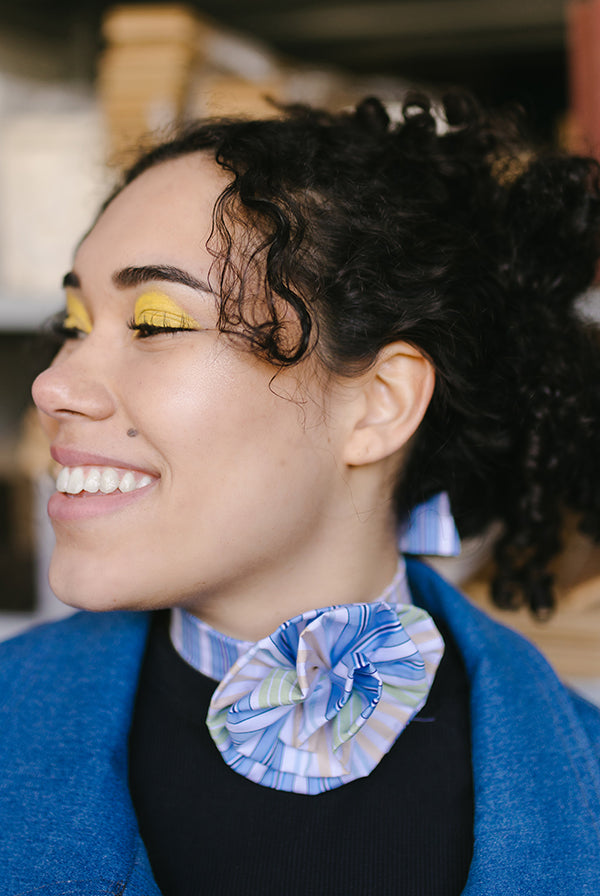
[536, 776]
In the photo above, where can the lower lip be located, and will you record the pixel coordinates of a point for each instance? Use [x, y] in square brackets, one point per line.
[84, 506]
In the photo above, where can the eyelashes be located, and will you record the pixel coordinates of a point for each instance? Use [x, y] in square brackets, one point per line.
[166, 317]
[159, 322]
[155, 313]
[72, 323]
[58, 329]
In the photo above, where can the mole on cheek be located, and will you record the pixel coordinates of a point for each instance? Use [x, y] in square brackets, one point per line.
[132, 433]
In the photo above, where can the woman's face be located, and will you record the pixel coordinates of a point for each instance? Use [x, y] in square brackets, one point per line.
[206, 477]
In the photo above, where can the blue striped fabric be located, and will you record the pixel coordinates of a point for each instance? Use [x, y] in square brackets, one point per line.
[429, 529]
[207, 650]
[320, 701]
[213, 653]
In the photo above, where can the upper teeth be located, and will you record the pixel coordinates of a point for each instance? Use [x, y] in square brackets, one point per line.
[106, 480]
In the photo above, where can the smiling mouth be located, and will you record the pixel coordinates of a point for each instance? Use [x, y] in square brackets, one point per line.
[88, 480]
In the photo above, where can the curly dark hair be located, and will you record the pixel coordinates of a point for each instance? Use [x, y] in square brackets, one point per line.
[446, 231]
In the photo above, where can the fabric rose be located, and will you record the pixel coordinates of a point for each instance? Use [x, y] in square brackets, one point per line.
[320, 701]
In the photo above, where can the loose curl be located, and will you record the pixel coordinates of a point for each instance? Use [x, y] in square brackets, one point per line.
[445, 231]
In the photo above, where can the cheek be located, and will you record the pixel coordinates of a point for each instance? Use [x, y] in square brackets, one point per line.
[190, 400]
[219, 417]
[168, 388]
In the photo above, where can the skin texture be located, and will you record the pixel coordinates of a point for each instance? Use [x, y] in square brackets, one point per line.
[269, 496]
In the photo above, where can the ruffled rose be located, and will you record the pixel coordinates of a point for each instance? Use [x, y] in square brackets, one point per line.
[321, 700]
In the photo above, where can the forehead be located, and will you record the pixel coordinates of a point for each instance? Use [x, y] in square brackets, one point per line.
[164, 214]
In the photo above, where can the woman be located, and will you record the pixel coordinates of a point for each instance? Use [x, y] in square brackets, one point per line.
[285, 340]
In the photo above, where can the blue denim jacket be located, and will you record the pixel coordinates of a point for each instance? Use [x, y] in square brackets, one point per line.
[67, 825]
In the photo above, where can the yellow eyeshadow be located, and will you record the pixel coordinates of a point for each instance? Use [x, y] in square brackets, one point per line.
[155, 309]
[77, 317]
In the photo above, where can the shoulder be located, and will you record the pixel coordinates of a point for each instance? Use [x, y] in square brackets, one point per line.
[473, 629]
[67, 692]
[589, 716]
[73, 637]
[85, 652]
[535, 750]
[498, 657]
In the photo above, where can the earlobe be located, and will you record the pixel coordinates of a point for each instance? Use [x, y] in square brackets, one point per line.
[394, 396]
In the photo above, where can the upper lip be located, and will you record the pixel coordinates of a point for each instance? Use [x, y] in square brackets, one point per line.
[74, 457]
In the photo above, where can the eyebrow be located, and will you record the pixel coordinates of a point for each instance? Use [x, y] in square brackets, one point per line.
[136, 276]
[71, 279]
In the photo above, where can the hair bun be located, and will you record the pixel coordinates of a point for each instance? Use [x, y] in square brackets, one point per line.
[372, 115]
[460, 109]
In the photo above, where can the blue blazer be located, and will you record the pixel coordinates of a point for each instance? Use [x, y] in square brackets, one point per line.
[67, 825]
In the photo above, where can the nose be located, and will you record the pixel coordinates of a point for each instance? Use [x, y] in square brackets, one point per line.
[73, 387]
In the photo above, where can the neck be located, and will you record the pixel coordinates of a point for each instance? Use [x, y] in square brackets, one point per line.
[351, 570]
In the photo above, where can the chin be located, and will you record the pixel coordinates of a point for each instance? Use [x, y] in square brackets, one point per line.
[85, 589]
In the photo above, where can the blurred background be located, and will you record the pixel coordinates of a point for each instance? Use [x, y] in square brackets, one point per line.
[82, 81]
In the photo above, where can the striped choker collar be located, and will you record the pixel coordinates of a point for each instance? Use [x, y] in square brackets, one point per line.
[321, 700]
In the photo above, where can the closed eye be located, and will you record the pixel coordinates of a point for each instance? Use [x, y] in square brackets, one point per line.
[62, 327]
[154, 323]
[155, 312]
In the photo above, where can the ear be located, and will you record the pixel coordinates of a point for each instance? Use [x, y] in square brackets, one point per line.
[391, 402]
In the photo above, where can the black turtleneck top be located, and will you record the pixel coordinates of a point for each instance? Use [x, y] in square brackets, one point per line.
[405, 829]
